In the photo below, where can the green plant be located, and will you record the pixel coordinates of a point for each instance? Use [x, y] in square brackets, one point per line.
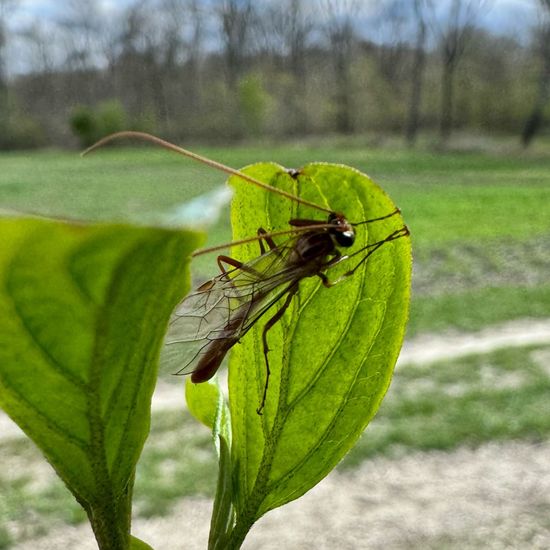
[22, 132]
[89, 124]
[84, 309]
[253, 101]
[5, 538]
[83, 314]
[84, 125]
[111, 117]
[335, 352]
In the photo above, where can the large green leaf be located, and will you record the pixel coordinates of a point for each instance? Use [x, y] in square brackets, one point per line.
[332, 354]
[83, 311]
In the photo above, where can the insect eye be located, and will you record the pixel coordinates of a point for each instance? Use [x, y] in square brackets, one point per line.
[345, 238]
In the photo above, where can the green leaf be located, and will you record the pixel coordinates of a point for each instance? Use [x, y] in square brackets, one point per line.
[332, 354]
[83, 311]
[203, 401]
[223, 512]
[207, 404]
[137, 544]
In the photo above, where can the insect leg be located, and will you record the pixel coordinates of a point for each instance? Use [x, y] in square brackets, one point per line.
[337, 258]
[233, 263]
[264, 236]
[229, 261]
[267, 327]
[373, 247]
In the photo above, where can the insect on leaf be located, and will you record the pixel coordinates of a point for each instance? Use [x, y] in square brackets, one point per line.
[333, 352]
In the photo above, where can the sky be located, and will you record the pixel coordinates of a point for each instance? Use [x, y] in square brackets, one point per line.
[513, 17]
[505, 14]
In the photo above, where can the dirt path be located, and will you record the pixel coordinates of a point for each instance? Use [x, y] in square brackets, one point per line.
[430, 348]
[494, 497]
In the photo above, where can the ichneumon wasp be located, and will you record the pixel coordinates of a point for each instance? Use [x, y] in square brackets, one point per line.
[210, 320]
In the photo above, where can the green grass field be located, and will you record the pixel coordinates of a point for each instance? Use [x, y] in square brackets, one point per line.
[445, 197]
[480, 226]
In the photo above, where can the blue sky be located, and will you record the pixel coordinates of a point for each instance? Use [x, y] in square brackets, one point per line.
[511, 15]
[29, 10]
[505, 14]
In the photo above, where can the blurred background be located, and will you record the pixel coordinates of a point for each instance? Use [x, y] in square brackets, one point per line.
[213, 70]
[446, 104]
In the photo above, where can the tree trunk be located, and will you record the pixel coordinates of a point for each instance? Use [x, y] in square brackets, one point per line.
[297, 99]
[535, 119]
[4, 107]
[419, 63]
[447, 101]
[343, 96]
[343, 117]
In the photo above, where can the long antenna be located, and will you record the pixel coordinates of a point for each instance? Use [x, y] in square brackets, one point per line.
[217, 165]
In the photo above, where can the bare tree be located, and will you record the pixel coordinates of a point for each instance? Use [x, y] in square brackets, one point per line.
[80, 30]
[155, 56]
[82, 23]
[453, 29]
[183, 48]
[289, 28]
[142, 55]
[536, 117]
[124, 43]
[393, 27]
[38, 39]
[164, 40]
[401, 55]
[339, 28]
[42, 89]
[418, 66]
[6, 7]
[235, 20]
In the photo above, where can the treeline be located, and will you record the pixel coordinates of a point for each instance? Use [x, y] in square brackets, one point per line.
[232, 69]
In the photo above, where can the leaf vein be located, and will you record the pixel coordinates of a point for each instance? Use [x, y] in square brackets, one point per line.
[61, 369]
[50, 423]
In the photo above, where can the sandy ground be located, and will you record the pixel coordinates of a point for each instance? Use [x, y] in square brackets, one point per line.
[496, 496]
[430, 348]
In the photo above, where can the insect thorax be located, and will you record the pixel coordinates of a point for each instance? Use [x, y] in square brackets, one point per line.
[314, 246]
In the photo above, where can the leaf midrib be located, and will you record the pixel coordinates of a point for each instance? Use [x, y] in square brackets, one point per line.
[272, 437]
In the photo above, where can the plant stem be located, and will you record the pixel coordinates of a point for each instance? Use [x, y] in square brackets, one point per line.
[106, 530]
[111, 521]
[238, 535]
[222, 512]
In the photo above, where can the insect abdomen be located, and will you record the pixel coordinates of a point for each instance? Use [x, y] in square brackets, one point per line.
[212, 359]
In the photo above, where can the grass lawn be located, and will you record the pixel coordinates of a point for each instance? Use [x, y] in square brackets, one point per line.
[445, 197]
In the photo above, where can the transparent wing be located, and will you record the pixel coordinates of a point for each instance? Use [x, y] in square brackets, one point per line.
[223, 309]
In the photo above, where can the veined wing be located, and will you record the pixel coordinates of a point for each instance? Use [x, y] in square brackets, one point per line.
[223, 309]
